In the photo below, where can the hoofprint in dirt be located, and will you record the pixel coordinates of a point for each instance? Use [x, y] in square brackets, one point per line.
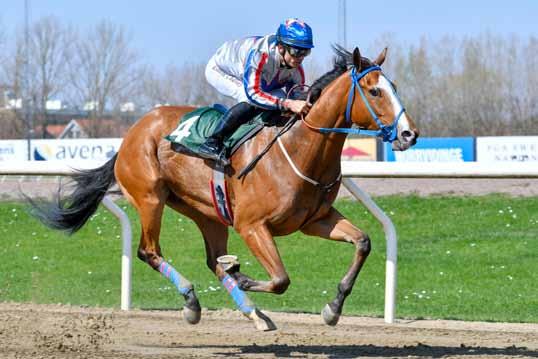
[56, 331]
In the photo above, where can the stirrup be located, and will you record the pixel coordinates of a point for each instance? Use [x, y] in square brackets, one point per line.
[219, 158]
[210, 150]
[222, 160]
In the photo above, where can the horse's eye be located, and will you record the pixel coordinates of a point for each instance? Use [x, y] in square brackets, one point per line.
[375, 92]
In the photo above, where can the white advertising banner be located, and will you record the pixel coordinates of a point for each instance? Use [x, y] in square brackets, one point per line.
[13, 150]
[507, 149]
[75, 150]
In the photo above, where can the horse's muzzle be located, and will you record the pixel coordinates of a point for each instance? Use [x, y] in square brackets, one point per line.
[405, 140]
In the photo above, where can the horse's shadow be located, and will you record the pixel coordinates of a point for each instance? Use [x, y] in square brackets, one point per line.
[353, 351]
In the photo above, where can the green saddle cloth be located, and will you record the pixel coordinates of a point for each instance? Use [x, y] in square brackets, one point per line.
[196, 126]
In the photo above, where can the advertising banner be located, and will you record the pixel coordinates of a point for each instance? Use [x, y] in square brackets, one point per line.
[75, 150]
[360, 149]
[13, 150]
[434, 149]
[507, 149]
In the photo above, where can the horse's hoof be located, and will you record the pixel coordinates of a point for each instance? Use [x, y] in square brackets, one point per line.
[262, 321]
[192, 316]
[329, 317]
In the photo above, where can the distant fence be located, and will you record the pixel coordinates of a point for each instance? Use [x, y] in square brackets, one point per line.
[350, 169]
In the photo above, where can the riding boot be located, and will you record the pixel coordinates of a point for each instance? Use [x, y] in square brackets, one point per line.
[213, 147]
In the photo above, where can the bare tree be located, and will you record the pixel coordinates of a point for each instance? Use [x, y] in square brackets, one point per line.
[10, 126]
[478, 85]
[163, 88]
[528, 102]
[103, 70]
[50, 47]
[3, 65]
[11, 73]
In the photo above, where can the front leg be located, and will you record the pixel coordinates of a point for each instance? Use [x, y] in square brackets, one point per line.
[261, 244]
[227, 275]
[244, 281]
[336, 227]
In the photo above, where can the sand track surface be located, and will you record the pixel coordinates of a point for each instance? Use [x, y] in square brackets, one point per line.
[58, 331]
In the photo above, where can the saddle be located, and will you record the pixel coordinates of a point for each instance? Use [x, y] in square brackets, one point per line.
[192, 131]
[196, 126]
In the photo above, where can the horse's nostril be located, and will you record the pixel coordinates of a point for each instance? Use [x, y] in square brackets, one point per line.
[407, 135]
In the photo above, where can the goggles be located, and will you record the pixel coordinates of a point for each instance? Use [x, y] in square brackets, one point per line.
[297, 52]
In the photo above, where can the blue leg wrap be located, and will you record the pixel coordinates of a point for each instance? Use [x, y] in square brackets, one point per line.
[240, 298]
[182, 284]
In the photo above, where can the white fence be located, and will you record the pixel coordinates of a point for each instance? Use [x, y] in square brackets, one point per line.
[350, 169]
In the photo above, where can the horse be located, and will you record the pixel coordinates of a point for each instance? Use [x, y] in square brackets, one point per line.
[298, 181]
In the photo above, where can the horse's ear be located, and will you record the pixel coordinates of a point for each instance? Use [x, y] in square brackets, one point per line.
[357, 59]
[381, 58]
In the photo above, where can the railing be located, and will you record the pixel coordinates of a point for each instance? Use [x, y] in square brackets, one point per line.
[350, 169]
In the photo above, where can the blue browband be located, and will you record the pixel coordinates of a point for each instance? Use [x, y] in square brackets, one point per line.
[387, 132]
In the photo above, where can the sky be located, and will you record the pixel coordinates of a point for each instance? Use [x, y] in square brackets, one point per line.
[176, 32]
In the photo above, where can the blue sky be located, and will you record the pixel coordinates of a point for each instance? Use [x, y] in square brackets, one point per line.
[175, 32]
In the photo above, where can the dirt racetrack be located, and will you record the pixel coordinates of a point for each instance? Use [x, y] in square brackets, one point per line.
[54, 331]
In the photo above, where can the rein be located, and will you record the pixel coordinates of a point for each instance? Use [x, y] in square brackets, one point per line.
[387, 132]
[284, 129]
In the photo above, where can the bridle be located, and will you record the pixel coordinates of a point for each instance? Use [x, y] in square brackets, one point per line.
[388, 133]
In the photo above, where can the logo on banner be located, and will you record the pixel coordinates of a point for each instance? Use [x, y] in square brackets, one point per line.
[360, 149]
[7, 150]
[507, 149]
[68, 150]
[435, 149]
[43, 153]
[13, 150]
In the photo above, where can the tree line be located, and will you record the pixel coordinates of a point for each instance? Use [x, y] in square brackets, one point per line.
[473, 86]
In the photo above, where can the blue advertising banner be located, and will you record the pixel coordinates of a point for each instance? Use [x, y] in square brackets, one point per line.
[434, 149]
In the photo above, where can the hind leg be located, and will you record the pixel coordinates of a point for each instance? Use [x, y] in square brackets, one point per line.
[216, 242]
[149, 198]
[150, 252]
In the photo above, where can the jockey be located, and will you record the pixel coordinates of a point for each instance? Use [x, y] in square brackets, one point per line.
[257, 72]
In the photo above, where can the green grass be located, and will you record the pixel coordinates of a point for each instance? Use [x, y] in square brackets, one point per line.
[471, 258]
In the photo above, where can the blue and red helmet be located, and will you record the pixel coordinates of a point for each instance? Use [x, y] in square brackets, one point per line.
[296, 33]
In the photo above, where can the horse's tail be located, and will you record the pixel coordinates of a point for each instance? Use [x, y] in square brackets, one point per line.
[72, 211]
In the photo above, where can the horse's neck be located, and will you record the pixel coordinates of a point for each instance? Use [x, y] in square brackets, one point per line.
[318, 155]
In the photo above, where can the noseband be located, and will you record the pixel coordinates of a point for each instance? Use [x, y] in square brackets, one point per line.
[387, 132]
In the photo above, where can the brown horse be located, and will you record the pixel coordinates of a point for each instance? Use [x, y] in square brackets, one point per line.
[298, 181]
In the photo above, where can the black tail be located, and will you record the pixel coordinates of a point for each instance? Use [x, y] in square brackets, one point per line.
[72, 211]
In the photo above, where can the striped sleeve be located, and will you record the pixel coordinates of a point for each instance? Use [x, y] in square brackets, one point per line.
[252, 82]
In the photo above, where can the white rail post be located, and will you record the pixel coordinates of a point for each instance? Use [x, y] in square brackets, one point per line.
[126, 258]
[392, 246]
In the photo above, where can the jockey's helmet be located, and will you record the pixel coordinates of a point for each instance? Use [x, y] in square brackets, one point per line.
[296, 33]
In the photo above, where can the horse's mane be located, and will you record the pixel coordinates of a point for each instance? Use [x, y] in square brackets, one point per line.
[342, 60]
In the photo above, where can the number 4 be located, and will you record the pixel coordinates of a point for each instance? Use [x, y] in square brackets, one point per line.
[183, 130]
